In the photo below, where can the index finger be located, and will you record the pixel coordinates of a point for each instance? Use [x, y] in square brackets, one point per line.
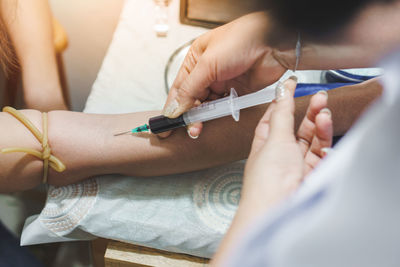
[193, 87]
[191, 82]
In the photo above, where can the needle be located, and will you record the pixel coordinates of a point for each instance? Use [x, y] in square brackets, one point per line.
[298, 51]
[127, 132]
[143, 128]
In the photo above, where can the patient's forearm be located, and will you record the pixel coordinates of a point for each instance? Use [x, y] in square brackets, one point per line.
[87, 146]
[346, 103]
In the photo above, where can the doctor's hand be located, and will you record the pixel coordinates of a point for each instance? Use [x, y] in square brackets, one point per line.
[279, 160]
[234, 55]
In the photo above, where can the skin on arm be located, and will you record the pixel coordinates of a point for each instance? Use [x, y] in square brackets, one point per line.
[223, 141]
[29, 24]
[86, 145]
[347, 103]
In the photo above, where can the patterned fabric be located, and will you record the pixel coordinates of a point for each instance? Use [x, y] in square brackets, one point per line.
[186, 213]
[216, 198]
[67, 206]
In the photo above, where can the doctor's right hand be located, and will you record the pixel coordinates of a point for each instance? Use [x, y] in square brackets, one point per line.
[234, 55]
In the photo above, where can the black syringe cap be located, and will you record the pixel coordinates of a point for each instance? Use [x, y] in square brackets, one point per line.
[161, 124]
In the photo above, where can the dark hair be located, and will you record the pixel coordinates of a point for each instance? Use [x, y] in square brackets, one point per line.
[317, 20]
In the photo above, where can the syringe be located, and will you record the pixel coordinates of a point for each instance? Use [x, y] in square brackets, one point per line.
[230, 105]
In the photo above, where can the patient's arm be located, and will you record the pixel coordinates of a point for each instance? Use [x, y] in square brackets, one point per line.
[30, 25]
[86, 145]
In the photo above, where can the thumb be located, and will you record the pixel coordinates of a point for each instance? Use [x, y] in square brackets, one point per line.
[282, 117]
[278, 117]
[194, 87]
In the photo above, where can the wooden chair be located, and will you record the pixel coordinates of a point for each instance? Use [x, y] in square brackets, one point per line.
[13, 80]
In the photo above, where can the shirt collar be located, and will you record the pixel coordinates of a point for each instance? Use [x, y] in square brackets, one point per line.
[391, 77]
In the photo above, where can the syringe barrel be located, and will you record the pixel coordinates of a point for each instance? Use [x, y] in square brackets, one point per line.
[230, 105]
[260, 97]
[208, 111]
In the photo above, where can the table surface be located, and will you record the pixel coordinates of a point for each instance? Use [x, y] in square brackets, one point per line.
[123, 254]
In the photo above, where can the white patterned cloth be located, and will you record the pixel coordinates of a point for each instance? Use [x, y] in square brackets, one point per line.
[187, 213]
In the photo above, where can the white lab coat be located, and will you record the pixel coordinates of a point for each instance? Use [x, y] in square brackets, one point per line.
[347, 213]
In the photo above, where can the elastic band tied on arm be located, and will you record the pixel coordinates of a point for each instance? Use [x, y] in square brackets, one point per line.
[45, 154]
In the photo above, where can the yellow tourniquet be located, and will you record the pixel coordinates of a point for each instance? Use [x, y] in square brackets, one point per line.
[45, 154]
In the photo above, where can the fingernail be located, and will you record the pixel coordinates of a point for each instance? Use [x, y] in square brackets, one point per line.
[171, 108]
[280, 91]
[325, 151]
[323, 92]
[191, 136]
[326, 110]
[294, 78]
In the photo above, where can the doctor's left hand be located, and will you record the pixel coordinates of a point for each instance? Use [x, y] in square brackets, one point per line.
[279, 160]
